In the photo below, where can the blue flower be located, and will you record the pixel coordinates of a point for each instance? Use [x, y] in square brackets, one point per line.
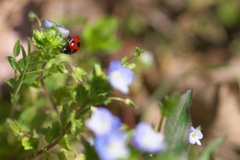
[194, 136]
[103, 122]
[120, 77]
[146, 140]
[47, 24]
[112, 146]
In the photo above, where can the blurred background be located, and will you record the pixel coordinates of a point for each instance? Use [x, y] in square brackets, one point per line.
[187, 43]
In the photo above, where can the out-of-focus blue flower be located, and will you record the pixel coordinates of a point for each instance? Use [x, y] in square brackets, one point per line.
[120, 77]
[47, 24]
[103, 122]
[194, 136]
[146, 140]
[112, 146]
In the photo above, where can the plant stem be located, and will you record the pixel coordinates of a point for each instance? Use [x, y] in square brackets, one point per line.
[16, 90]
[116, 98]
[160, 124]
[128, 60]
[50, 145]
[49, 97]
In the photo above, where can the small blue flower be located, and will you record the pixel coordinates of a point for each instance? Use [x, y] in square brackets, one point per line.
[120, 77]
[103, 122]
[194, 136]
[112, 146]
[47, 24]
[146, 140]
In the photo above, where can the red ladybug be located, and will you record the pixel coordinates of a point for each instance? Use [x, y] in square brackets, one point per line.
[72, 45]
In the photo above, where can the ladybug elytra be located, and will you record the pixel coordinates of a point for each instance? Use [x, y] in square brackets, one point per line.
[72, 45]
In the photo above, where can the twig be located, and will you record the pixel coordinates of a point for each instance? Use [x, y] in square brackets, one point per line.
[49, 97]
[50, 145]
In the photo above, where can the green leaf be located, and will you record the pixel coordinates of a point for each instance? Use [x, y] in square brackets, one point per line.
[207, 153]
[14, 126]
[63, 154]
[84, 112]
[27, 115]
[29, 45]
[82, 95]
[29, 79]
[63, 116]
[16, 49]
[90, 152]
[77, 73]
[53, 133]
[178, 126]
[28, 143]
[14, 63]
[64, 143]
[38, 120]
[138, 52]
[61, 68]
[124, 60]
[169, 104]
[21, 63]
[11, 82]
[76, 123]
[35, 63]
[45, 154]
[24, 55]
[36, 71]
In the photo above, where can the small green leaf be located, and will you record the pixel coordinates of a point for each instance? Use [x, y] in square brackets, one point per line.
[77, 73]
[36, 71]
[131, 65]
[124, 60]
[29, 79]
[16, 49]
[63, 154]
[84, 112]
[11, 82]
[37, 34]
[207, 153]
[177, 127]
[38, 120]
[64, 116]
[169, 104]
[35, 63]
[14, 63]
[52, 133]
[28, 143]
[29, 45]
[82, 95]
[24, 55]
[45, 154]
[76, 123]
[61, 68]
[138, 52]
[14, 126]
[90, 152]
[27, 115]
[64, 143]
[21, 63]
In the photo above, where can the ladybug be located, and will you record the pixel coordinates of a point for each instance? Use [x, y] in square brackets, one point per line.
[72, 45]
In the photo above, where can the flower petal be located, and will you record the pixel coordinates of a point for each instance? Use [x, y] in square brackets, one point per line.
[46, 24]
[115, 64]
[62, 30]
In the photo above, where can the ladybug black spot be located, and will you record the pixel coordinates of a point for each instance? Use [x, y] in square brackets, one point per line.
[74, 51]
[78, 44]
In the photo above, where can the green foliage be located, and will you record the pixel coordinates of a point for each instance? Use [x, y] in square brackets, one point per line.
[16, 49]
[138, 52]
[63, 116]
[82, 95]
[177, 127]
[78, 72]
[100, 36]
[207, 153]
[169, 104]
[76, 124]
[90, 152]
[98, 87]
[64, 143]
